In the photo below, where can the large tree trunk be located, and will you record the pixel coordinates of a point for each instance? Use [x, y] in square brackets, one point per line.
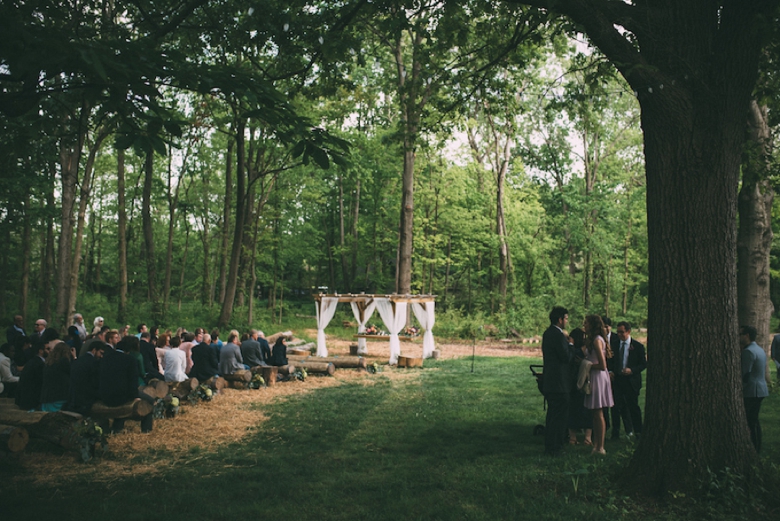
[84, 197]
[223, 250]
[345, 280]
[754, 236]
[122, 235]
[26, 254]
[146, 214]
[238, 232]
[403, 281]
[48, 257]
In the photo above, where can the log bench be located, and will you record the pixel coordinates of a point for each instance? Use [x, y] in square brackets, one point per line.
[339, 362]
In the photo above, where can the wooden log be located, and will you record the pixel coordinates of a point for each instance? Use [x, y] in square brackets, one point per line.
[54, 427]
[317, 367]
[217, 383]
[183, 389]
[242, 375]
[298, 352]
[13, 439]
[286, 369]
[156, 388]
[353, 349]
[272, 339]
[238, 384]
[269, 375]
[408, 361]
[135, 410]
[339, 362]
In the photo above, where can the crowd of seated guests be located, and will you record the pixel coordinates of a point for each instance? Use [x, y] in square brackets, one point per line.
[41, 371]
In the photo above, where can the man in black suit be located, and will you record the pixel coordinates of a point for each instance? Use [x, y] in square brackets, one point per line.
[16, 329]
[556, 379]
[119, 382]
[625, 370]
[205, 363]
[28, 391]
[85, 379]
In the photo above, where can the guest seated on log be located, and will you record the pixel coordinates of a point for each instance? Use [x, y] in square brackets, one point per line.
[205, 364]
[85, 380]
[163, 346]
[99, 337]
[175, 362]
[215, 341]
[151, 367]
[265, 348]
[279, 357]
[74, 340]
[119, 382]
[8, 380]
[56, 378]
[28, 393]
[133, 349]
[188, 341]
[251, 351]
[230, 359]
[21, 344]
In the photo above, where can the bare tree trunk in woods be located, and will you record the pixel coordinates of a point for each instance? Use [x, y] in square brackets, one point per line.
[447, 269]
[238, 232]
[626, 246]
[253, 276]
[48, 257]
[223, 250]
[26, 253]
[70, 156]
[84, 197]
[146, 214]
[207, 294]
[347, 283]
[355, 218]
[122, 235]
[754, 234]
[403, 281]
[184, 260]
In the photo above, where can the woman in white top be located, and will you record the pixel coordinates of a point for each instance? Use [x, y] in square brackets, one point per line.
[175, 362]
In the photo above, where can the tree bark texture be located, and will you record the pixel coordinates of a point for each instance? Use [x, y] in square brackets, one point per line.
[693, 68]
[122, 234]
[146, 213]
[754, 234]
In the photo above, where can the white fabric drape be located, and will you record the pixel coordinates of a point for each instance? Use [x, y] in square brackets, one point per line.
[394, 323]
[362, 349]
[426, 319]
[325, 311]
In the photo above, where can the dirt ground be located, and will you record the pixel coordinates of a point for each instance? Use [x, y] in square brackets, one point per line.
[203, 427]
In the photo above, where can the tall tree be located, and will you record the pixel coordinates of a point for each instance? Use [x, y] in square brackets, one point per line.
[693, 64]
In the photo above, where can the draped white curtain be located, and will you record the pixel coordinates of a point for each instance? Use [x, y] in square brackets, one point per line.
[426, 319]
[325, 312]
[362, 350]
[394, 323]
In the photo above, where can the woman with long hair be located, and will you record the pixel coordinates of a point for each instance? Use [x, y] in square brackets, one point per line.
[601, 389]
[56, 378]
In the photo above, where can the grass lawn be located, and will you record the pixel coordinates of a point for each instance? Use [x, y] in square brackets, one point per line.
[441, 443]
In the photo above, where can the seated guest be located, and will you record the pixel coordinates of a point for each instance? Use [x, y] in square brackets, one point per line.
[188, 340]
[205, 363]
[153, 334]
[230, 359]
[251, 352]
[28, 392]
[216, 343]
[16, 329]
[134, 350]
[279, 356]
[78, 322]
[74, 339]
[175, 362]
[48, 336]
[264, 347]
[119, 382]
[151, 369]
[99, 337]
[85, 380]
[163, 344]
[55, 388]
[8, 380]
[21, 344]
[98, 325]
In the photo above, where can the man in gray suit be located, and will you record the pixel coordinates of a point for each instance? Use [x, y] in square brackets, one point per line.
[251, 351]
[754, 387]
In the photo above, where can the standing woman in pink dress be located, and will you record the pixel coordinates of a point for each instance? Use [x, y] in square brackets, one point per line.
[600, 387]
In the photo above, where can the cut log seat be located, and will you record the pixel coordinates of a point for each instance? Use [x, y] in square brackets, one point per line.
[408, 361]
[339, 362]
[134, 410]
[156, 388]
[272, 339]
[182, 390]
[54, 427]
[317, 367]
[13, 439]
[286, 369]
[298, 352]
[242, 375]
[217, 383]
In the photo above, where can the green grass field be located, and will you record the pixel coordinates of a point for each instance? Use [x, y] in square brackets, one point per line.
[444, 443]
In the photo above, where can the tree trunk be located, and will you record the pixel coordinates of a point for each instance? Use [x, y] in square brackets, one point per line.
[403, 281]
[223, 250]
[122, 235]
[238, 232]
[355, 238]
[146, 213]
[754, 235]
[26, 254]
[345, 280]
[184, 261]
[48, 257]
[84, 197]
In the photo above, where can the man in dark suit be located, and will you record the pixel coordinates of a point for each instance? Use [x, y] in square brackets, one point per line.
[205, 363]
[625, 370]
[251, 350]
[28, 392]
[85, 379]
[119, 382]
[16, 329]
[556, 379]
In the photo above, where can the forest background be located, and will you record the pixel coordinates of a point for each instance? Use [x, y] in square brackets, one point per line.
[222, 170]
